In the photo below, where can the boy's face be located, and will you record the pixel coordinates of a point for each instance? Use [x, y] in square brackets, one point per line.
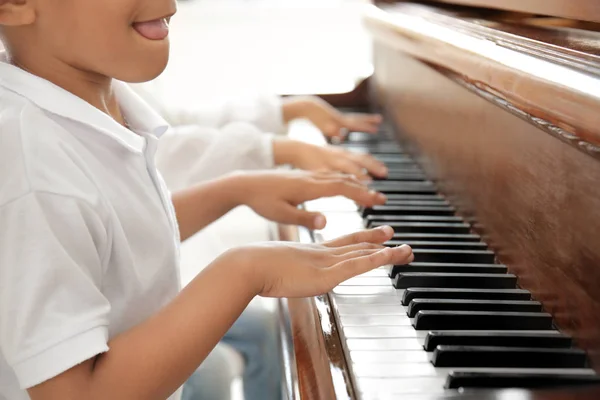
[122, 39]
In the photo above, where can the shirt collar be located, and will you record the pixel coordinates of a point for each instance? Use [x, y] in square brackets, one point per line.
[52, 98]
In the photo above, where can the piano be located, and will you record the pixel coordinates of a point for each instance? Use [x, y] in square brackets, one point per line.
[492, 139]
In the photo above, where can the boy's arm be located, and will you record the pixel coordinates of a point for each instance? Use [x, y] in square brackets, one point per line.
[153, 359]
[200, 205]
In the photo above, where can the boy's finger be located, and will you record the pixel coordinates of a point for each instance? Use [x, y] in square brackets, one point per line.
[371, 164]
[339, 251]
[378, 235]
[359, 265]
[357, 254]
[288, 214]
[363, 122]
[353, 191]
[328, 176]
[349, 166]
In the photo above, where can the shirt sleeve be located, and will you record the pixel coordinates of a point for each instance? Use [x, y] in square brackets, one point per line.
[53, 315]
[192, 154]
[264, 111]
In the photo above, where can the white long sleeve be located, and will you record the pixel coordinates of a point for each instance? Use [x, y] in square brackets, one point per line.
[190, 154]
[261, 110]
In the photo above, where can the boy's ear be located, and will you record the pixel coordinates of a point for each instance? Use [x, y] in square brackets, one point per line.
[16, 12]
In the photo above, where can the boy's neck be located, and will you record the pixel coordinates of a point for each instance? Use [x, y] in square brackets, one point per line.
[95, 89]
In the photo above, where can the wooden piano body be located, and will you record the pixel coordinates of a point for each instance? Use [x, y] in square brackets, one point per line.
[504, 115]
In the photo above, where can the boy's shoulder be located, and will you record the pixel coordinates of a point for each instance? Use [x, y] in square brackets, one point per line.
[34, 155]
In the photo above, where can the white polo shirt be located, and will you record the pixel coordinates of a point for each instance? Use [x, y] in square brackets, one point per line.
[88, 236]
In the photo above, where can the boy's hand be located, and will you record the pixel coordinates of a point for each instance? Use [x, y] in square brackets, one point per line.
[286, 269]
[329, 120]
[318, 158]
[276, 195]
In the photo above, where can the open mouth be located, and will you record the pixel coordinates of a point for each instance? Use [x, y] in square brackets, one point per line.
[157, 29]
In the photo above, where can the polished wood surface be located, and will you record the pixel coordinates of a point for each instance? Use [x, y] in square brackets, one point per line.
[584, 10]
[320, 365]
[555, 87]
[515, 151]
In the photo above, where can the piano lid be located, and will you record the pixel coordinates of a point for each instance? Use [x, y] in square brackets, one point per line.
[549, 76]
[584, 10]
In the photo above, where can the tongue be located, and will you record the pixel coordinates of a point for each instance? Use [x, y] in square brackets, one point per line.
[153, 30]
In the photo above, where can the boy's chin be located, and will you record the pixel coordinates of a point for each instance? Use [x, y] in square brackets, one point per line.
[143, 71]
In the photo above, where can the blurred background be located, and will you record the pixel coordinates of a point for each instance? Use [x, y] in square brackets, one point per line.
[226, 47]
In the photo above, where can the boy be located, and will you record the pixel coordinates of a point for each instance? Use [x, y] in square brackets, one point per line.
[89, 307]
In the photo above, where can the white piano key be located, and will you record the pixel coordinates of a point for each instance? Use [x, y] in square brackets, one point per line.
[378, 388]
[390, 356]
[355, 332]
[339, 224]
[366, 300]
[370, 310]
[395, 370]
[380, 272]
[379, 320]
[335, 205]
[364, 290]
[414, 344]
[405, 370]
[368, 281]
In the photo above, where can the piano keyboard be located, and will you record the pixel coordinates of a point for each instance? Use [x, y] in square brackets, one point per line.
[453, 319]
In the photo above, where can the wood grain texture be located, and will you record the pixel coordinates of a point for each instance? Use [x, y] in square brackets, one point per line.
[585, 10]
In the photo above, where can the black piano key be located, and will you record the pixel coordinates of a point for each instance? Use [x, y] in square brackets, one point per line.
[454, 280]
[472, 305]
[409, 210]
[550, 339]
[481, 320]
[425, 227]
[403, 187]
[406, 209]
[375, 148]
[393, 158]
[453, 293]
[400, 164]
[422, 244]
[411, 202]
[455, 256]
[368, 138]
[387, 219]
[441, 237]
[403, 168]
[507, 357]
[402, 177]
[447, 268]
[498, 380]
[412, 196]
